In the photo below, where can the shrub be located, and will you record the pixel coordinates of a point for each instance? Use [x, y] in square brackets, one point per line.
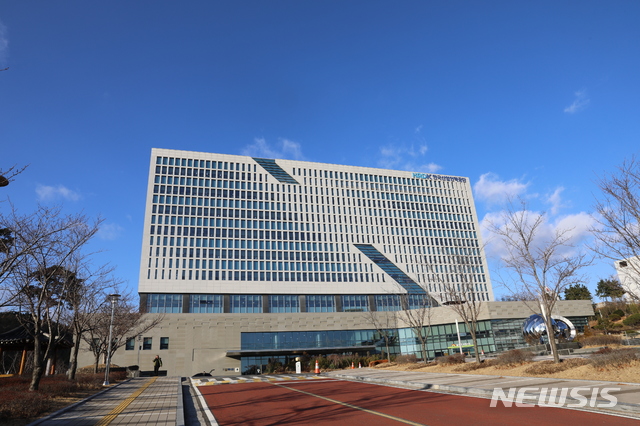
[414, 366]
[274, 367]
[59, 386]
[550, 367]
[90, 381]
[340, 362]
[632, 320]
[406, 359]
[617, 325]
[23, 405]
[513, 357]
[614, 317]
[17, 403]
[601, 340]
[118, 376]
[618, 312]
[472, 366]
[616, 358]
[451, 359]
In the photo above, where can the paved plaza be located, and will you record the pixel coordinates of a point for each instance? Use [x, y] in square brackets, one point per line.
[138, 401]
[159, 400]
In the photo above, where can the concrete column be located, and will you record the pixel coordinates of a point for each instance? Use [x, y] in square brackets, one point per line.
[372, 302]
[143, 302]
[226, 304]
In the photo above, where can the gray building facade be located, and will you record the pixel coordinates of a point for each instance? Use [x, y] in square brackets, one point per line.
[250, 259]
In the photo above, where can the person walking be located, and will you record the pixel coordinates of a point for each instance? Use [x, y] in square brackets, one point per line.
[157, 363]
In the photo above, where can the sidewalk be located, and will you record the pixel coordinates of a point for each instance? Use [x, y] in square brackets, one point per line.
[627, 394]
[139, 401]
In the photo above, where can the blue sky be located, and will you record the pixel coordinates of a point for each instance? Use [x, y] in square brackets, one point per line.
[534, 99]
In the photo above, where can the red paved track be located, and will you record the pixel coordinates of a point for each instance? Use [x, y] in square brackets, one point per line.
[258, 404]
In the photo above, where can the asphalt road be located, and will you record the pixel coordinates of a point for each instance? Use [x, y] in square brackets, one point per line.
[338, 402]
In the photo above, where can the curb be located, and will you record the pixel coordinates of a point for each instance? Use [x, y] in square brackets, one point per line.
[180, 405]
[619, 408]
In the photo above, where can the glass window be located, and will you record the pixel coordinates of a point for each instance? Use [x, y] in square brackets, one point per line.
[205, 303]
[355, 303]
[146, 343]
[164, 303]
[131, 344]
[279, 303]
[320, 303]
[418, 301]
[387, 302]
[164, 343]
[245, 303]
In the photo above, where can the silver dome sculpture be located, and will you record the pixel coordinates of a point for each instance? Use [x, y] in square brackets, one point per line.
[534, 328]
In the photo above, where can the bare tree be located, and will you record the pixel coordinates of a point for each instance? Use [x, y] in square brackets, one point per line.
[417, 314]
[385, 323]
[543, 261]
[519, 296]
[618, 218]
[462, 297]
[128, 322]
[9, 174]
[20, 237]
[87, 303]
[38, 280]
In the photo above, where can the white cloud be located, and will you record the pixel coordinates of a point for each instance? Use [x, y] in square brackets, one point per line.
[429, 168]
[49, 193]
[581, 102]
[110, 231]
[494, 191]
[291, 149]
[285, 149]
[577, 227]
[403, 157]
[555, 200]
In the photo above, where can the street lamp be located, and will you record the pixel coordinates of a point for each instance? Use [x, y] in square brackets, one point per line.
[114, 300]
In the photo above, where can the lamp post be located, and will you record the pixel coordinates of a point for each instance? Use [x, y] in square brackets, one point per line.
[114, 300]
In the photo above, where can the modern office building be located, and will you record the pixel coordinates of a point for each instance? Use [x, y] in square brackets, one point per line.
[233, 234]
[252, 259]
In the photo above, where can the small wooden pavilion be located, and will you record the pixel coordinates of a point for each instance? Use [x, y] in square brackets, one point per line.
[20, 340]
